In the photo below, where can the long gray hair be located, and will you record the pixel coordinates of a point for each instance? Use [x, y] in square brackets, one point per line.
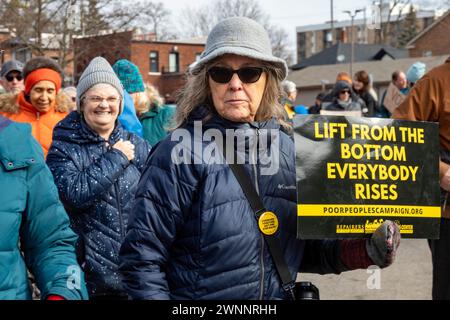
[197, 93]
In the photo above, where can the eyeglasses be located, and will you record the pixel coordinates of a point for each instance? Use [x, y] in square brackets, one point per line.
[10, 77]
[98, 99]
[344, 92]
[224, 75]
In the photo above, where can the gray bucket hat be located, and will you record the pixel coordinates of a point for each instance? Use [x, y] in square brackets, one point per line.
[240, 36]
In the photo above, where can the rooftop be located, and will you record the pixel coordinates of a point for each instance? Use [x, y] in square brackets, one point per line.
[381, 71]
[341, 53]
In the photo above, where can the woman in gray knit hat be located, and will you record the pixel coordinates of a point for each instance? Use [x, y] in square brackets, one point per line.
[96, 165]
[193, 233]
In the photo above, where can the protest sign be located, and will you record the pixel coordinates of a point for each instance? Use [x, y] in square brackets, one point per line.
[393, 98]
[354, 173]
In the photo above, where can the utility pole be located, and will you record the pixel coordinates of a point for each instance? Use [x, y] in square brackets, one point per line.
[332, 22]
[352, 16]
[365, 26]
[381, 22]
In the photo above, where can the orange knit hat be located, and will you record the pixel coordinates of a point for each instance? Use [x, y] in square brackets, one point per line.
[344, 76]
[42, 75]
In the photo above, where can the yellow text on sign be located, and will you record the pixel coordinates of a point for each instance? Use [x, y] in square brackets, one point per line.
[360, 210]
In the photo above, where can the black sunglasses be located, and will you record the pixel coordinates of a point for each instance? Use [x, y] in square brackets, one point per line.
[344, 91]
[224, 74]
[10, 77]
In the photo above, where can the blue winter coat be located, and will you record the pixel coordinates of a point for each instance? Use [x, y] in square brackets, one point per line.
[193, 234]
[128, 117]
[96, 184]
[32, 215]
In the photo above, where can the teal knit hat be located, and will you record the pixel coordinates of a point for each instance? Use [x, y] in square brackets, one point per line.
[129, 75]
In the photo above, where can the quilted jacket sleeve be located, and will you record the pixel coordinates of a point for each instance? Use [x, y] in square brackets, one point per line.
[47, 240]
[322, 256]
[164, 196]
[78, 186]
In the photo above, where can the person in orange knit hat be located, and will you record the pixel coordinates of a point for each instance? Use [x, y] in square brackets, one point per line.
[40, 103]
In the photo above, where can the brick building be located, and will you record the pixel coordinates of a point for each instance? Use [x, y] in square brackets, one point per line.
[312, 39]
[14, 48]
[162, 64]
[432, 41]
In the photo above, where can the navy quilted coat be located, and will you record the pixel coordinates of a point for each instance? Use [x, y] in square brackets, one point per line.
[193, 234]
[96, 184]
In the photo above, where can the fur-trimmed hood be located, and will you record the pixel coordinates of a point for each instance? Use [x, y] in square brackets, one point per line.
[9, 103]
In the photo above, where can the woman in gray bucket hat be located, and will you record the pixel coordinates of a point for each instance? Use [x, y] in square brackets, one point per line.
[193, 233]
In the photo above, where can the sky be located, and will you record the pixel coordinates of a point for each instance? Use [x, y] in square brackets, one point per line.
[290, 14]
[287, 13]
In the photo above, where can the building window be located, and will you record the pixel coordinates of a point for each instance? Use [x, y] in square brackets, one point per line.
[301, 45]
[313, 43]
[339, 34]
[427, 22]
[154, 67]
[327, 38]
[197, 56]
[22, 55]
[174, 62]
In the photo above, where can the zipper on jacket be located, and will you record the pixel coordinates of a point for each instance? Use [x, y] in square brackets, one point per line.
[261, 257]
[119, 207]
[108, 146]
[38, 127]
[122, 233]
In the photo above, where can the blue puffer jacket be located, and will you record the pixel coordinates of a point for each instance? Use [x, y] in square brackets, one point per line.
[96, 184]
[32, 215]
[193, 234]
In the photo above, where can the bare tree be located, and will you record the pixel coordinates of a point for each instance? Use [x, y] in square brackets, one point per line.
[155, 18]
[41, 25]
[198, 22]
[386, 31]
[280, 44]
[238, 8]
[28, 20]
[409, 28]
[157, 14]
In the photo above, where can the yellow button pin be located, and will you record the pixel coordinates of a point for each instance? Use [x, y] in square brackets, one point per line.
[268, 223]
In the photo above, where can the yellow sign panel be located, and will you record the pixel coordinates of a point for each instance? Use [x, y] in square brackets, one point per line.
[268, 223]
[359, 210]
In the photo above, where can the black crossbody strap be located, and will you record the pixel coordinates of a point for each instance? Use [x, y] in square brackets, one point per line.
[272, 241]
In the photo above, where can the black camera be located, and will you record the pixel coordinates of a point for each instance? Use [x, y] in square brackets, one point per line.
[305, 290]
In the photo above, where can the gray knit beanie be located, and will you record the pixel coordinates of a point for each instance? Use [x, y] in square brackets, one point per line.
[240, 36]
[98, 71]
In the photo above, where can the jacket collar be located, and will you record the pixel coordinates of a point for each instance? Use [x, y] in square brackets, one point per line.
[211, 119]
[9, 103]
[151, 113]
[74, 128]
[16, 150]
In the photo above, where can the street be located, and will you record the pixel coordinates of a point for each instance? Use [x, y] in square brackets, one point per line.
[409, 278]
